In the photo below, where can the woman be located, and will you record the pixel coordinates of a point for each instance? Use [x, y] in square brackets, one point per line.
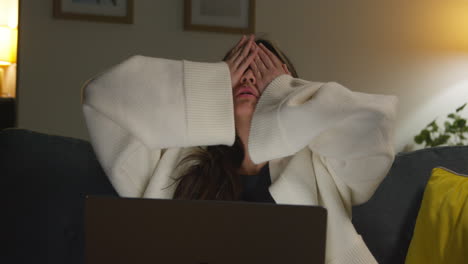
[185, 130]
[231, 167]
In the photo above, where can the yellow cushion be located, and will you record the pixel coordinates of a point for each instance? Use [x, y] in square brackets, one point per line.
[441, 231]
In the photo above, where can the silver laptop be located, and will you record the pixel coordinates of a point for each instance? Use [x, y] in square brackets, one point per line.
[139, 231]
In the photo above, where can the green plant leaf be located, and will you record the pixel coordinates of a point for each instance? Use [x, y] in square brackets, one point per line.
[447, 124]
[461, 108]
[455, 126]
[418, 139]
[427, 137]
[442, 139]
[431, 124]
[424, 136]
[460, 123]
[432, 135]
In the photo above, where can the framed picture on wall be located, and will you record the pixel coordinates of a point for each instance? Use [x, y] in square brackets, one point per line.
[226, 16]
[111, 11]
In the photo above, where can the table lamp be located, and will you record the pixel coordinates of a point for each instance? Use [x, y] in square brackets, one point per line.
[8, 44]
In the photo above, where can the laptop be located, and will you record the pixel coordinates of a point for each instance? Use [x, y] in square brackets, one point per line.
[140, 231]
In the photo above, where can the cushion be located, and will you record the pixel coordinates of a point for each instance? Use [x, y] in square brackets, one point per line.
[441, 232]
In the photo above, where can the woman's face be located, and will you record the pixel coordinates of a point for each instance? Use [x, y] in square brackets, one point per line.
[246, 95]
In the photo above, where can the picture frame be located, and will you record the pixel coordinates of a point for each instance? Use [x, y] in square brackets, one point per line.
[224, 16]
[110, 11]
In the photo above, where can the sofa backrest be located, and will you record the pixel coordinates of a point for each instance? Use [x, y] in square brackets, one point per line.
[45, 180]
[386, 222]
[42, 174]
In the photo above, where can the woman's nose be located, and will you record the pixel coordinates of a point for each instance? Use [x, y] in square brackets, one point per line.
[248, 77]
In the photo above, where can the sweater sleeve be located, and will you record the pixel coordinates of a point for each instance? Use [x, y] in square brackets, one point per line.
[143, 106]
[352, 132]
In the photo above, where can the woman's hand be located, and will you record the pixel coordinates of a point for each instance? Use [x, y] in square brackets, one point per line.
[240, 57]
[266, 67]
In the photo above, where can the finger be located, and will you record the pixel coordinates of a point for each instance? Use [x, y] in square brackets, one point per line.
[245, 64]
[275, 60]
[244, 52]
[250, 43]
[239, 44]
[285, 68]
[234, 50]
[260, 65]
[237, 57]
[232, 58]
[255, 70]
[265, 59]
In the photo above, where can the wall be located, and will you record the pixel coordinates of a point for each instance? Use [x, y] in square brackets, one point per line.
[417, 50]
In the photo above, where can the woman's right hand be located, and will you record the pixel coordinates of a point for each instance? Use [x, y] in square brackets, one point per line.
[240, 57]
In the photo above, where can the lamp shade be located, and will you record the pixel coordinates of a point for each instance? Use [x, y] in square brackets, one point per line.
[8, 43]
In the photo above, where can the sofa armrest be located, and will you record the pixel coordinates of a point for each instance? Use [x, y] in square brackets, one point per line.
[46, 179]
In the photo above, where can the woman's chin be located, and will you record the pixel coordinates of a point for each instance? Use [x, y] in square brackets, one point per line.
[244, 110]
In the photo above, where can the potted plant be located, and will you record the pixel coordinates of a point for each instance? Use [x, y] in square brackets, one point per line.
[454, 131]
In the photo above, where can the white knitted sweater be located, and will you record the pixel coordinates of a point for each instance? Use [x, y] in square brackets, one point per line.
[325, 144]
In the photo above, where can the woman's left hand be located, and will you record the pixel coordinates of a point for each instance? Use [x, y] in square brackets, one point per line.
[266, 67]
[240, 57]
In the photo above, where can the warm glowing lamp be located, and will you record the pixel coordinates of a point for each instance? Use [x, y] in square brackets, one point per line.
[8, 43]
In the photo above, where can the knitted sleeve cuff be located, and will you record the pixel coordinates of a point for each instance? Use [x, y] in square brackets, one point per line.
[209, 103]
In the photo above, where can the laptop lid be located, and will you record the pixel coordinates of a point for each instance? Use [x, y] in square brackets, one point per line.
[130, 230]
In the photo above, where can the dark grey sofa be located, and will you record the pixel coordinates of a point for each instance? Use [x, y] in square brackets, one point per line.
[45, 179]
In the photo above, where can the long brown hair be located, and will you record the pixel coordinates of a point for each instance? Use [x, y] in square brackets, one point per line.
[211, 173]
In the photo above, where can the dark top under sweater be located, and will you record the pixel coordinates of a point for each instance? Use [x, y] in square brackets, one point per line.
[255, 187]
